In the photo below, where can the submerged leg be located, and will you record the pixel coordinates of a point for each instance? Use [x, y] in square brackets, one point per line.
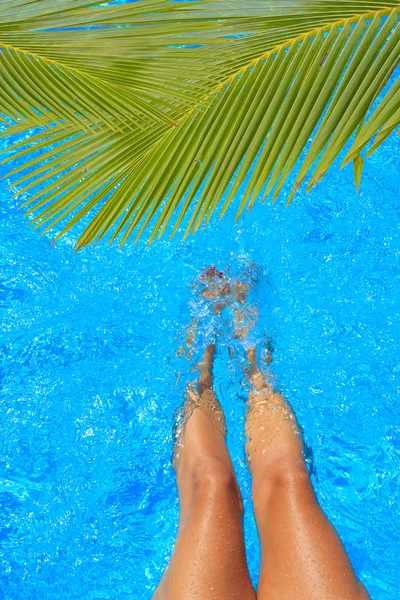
[208, 561]
[302, 557]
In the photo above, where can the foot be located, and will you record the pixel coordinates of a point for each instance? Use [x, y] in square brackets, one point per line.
[240, 291]
[217, 288]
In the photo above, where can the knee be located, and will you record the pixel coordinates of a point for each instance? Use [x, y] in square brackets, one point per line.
[214, 475]
[213, 478]
[210, 480]
[289, 470]
[363, 594]
[288, 475]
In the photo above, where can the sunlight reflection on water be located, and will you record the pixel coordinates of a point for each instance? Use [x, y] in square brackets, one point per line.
[88, 381]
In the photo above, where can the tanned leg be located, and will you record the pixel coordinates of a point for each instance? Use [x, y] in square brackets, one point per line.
[302, 557]
[208, 561]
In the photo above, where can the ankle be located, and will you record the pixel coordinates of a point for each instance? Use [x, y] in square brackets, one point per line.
[205, 368]
[251, 359]
[205, 383]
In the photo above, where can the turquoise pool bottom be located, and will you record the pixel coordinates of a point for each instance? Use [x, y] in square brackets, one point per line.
[89, 386]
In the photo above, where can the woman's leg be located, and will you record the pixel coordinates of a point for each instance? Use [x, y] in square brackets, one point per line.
[208, 561]
[302, 557]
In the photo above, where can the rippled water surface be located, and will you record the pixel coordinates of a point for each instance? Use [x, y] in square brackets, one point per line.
[88, 378]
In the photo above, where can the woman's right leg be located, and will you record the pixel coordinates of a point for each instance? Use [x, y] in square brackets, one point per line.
[302, 557]
[209, 559]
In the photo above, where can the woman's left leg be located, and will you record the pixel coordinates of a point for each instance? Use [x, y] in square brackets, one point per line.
[209, 559]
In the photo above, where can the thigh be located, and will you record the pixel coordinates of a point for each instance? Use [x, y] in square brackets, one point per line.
[209, 560]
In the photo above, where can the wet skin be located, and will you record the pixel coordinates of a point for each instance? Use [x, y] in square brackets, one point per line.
[302, 557]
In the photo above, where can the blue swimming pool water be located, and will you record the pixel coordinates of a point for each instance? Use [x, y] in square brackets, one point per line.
[88, 378]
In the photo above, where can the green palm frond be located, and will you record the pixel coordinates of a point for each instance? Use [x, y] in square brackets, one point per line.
[237, 115]
[142, 52]
[85, 65]
[41, 91]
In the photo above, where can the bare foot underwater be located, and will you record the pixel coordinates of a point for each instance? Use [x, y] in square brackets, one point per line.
[302, 557]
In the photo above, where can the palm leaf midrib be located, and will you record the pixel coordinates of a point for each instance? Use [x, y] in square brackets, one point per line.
[354, 18]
